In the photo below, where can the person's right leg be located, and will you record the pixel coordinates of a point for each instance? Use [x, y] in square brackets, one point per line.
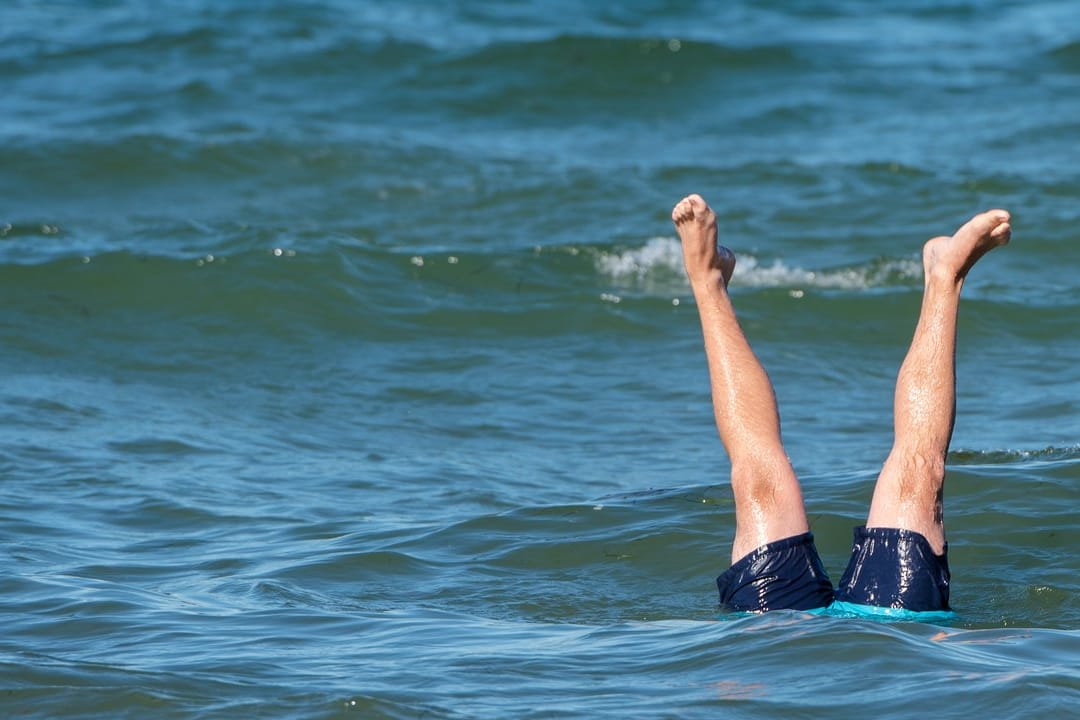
[907, 501]
[774, 561]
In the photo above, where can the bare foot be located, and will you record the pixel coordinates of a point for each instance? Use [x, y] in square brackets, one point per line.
[695, 222]
[950, 258]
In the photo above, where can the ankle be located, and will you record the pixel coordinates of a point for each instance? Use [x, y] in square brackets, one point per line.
[941, 278]
[708, 281]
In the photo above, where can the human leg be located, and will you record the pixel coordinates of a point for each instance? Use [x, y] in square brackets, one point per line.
[768, 499]
[906, 516]
[774, 562]
[908, 493]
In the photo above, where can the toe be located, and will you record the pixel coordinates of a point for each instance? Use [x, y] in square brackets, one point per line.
[992, 219]
[984, 223]
[1002, 232]
[683, 211]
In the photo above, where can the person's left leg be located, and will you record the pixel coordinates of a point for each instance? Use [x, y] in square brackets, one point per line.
[899, 557]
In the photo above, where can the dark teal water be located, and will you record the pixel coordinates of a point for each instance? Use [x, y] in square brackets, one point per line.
[347, 366]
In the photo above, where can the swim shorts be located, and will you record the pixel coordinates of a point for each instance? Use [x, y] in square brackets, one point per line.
[786, 574]
[896, 568]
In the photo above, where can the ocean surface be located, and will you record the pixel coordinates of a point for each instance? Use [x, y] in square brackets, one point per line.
[348, 369]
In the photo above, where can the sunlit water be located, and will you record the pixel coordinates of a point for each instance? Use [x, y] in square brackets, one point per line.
[348, 365]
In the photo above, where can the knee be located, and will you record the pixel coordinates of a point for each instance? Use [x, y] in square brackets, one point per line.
[923, 476]
[758, 482]
[931, 468]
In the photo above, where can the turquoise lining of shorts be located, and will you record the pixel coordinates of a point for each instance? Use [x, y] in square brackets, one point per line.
[839, 608]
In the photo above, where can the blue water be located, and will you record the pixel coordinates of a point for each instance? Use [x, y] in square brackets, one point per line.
[347, 366]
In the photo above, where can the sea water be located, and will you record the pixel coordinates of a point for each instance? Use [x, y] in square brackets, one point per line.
[347, 366]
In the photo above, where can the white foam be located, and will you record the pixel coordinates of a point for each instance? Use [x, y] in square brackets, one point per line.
[861, 277]
[658, 266]
[659, 254]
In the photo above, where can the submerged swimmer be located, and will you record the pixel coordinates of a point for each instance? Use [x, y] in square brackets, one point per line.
[899, 557]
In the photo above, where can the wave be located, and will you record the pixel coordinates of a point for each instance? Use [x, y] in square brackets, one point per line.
[624, 54]
[1067, 55]
[583, 74]
[280, 280]
[1042, 456]
[658, 265]
[129, 178]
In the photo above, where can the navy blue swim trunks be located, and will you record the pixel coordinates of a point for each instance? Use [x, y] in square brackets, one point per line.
[786, 574]
[897, 568]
